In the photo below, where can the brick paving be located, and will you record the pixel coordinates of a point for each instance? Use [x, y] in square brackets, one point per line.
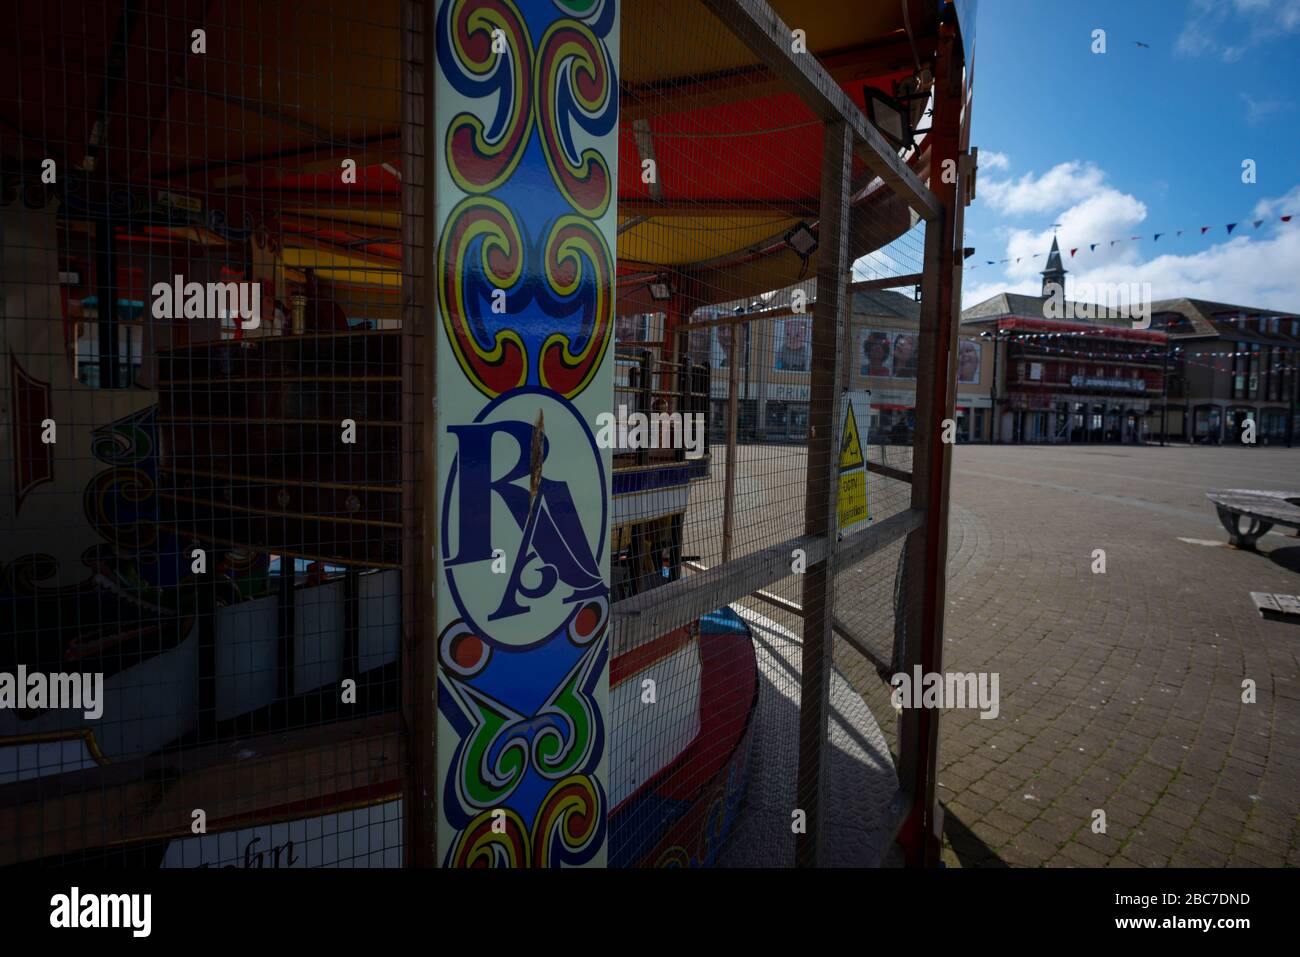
[1120, 692]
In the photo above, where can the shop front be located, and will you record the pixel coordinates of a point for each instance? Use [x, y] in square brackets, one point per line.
[1053, 418]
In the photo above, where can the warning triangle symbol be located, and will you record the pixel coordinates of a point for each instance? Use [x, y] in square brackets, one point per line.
[850, 444]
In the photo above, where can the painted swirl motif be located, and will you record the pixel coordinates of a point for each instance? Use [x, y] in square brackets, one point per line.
[579, 269]
[23, 577]
[480, 158]
[482, 251]
[123, 443]
[570, 824]
[114, 501]
[675, 856]
[492, 756]
[574, 86]
[479, 845]
[571, 733]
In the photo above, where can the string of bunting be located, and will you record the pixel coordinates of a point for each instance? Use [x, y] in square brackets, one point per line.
[1103, 330]
[1175, 353]
[1110, 244]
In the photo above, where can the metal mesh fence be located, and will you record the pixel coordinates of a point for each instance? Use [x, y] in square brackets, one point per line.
[219, 498]
[201, 274]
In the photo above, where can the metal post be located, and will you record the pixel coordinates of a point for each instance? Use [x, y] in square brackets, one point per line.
[749, 348]
[1295, 398]
[106, 292]
[733, 419]
[925, 557]
[419, 467]
[995, 426]
[1164, 396]
[822, 483]
[287, 584]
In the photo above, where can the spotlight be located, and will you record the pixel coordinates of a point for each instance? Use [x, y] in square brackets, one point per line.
[660, 291]
[802, 240]
[890, 116]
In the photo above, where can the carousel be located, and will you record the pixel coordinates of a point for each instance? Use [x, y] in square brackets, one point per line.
[250, 524]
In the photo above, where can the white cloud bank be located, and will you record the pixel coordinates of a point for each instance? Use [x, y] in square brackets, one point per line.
[1228, 29]
[1251, 268]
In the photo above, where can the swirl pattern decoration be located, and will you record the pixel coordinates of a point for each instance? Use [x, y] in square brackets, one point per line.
[483, 845]
[471, 37]
[482, 251]
[525, 279]
[573, 87]
[570, 823]
[577, 259]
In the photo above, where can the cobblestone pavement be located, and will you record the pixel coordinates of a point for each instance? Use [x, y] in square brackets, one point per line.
[1120, 692]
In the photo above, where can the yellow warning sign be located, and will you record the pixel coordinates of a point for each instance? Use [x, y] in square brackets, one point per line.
[850, 444]
[851, 504]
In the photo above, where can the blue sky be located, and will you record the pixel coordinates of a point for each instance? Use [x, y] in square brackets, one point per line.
[1136, 141]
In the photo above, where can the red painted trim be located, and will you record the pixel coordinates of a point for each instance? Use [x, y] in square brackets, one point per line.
[640, 658]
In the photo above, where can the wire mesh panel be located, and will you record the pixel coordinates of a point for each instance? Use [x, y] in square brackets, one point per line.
[239, 238]
[724, 239]
[205, 494]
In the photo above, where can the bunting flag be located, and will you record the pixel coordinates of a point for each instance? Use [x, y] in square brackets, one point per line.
[1154, 355]
[1092, 247]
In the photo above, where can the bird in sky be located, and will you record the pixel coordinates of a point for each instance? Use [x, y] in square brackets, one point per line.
[1145, 46]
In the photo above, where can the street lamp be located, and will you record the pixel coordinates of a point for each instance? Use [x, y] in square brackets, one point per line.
[995, 337]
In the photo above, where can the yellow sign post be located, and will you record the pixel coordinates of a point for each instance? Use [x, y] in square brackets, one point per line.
[852, 500]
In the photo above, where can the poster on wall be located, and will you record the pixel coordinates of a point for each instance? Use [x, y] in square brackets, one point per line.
[527, 141]
[727, 341]
[968, 361]
[890, 354]
[793, 349]
[887, 354]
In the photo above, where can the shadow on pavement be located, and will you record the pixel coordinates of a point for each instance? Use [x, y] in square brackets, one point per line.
[970, 850]
[1288, 557]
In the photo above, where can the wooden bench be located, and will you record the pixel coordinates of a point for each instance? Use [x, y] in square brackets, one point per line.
[1261, 511]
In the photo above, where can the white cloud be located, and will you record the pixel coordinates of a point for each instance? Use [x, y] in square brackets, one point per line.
[1257, 110]
[992, 160]
[1286, 205]
[1244, 270]
[1251, 268]
[1228, 30]
[1085, 208]
[1060, 186]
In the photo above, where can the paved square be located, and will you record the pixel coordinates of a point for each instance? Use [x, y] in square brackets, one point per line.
[1120, 692]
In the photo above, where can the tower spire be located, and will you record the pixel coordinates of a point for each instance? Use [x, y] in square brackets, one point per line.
[1054, 274]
